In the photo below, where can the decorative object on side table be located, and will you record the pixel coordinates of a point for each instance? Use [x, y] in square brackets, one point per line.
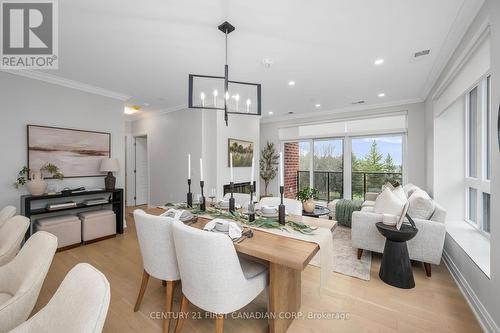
[307, 196]
[395, 268]
[109, 165]
[34, 180]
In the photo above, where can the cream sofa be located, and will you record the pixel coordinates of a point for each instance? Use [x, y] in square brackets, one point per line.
[427, 246]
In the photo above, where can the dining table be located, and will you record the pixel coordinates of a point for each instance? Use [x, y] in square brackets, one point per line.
[287, 258]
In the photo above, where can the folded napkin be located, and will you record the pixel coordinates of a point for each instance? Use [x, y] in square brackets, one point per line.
[225, 204]
[234, 229]
[178, 214]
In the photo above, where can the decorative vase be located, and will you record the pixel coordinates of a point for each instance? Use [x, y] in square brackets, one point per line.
[309, 205]
[36, 185]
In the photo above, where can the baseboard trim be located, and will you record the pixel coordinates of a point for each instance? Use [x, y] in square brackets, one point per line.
[485, 320]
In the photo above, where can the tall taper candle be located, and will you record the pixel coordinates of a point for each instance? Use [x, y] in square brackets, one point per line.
[282, 171]
[189, 166]
[253, 170]
[201, 169]
[231, 166]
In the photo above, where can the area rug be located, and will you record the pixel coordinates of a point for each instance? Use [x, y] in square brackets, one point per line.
[345, 258]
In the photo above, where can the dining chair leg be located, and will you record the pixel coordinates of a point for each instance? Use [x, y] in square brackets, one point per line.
[169, 300]
[219, 324]
[145, 279]
[164, 283]
[182, 314]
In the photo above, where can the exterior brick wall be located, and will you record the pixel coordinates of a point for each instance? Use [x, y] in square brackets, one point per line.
[291, 160]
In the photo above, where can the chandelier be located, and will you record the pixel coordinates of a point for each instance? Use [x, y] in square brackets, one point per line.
[219, 93]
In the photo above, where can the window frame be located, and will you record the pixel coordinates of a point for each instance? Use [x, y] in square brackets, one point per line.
[480, 183]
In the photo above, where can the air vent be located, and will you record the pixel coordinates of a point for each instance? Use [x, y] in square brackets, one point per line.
[290, 112]
[421, 53]
[358, 102]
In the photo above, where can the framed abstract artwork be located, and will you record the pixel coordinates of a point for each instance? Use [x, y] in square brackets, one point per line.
[77, 153]
[242, 153]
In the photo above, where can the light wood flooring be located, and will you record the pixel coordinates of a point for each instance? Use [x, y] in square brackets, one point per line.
[434, 305]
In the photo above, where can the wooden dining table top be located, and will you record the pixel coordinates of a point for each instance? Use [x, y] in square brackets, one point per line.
[278, 249]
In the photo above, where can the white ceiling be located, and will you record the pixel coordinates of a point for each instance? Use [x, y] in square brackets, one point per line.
[146, 49]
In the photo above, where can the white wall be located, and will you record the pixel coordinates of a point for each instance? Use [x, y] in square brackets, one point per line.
[415, 162]
[481, 291]
[171, 136]
[27, 101]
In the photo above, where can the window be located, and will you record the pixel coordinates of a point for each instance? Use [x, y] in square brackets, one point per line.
[376, 161]
[328, 168]
[478, 156]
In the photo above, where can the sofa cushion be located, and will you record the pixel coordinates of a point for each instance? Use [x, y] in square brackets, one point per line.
[368, 203]
[368, 209]
[439, 214]
[421, 205]
[388, 203]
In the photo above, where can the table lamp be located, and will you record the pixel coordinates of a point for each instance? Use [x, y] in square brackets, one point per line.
[109, 165]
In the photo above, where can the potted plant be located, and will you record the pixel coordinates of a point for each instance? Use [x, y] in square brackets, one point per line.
[307, 196]
[268, 165]
[34, 179]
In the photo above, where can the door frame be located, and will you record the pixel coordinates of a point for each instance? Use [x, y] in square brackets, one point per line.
[133, 160]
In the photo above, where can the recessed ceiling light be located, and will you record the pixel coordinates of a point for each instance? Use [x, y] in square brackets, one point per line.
[379, 61]
[270, 113]
[381, 95]
[317, 105]
[291, 83]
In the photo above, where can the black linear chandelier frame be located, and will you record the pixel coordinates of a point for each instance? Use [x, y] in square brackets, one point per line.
[226, 28]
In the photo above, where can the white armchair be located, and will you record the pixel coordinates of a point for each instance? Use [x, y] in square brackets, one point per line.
[6, 213]
[22, 278]
[292, 206]
[213, 277]
[11, 236]
[158, 255]
[79, 305]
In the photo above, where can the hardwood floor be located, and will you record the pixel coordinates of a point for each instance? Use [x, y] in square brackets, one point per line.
[435, 304]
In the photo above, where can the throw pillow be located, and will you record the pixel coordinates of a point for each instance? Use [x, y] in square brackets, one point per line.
[388, 203]
[400, 193]
[401, 218]
[409, 189]
[387, 185]
[421, 205]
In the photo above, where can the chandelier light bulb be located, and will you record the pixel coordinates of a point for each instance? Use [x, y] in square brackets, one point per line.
[202, 96]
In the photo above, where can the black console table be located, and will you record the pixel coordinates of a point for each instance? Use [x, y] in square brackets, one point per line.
[116, 201]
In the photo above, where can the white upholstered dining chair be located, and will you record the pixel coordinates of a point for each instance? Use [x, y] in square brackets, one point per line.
[6, 213]
[158, 255]
[213, 277]
[292, 206]
[11, 236]
[79, 305]
[22, 278]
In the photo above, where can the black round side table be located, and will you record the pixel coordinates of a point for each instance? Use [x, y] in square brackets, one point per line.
[395, 269]
[317, 212]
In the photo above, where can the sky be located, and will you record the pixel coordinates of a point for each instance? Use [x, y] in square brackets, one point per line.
[361, 146]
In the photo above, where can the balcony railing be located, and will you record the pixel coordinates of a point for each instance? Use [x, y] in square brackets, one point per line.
[330, 184]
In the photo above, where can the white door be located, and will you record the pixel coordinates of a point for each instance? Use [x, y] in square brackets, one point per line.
[141, 171]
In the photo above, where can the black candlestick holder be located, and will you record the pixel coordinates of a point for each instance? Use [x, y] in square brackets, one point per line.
[281, 208]
[189, 195]
[203, 204]
[251, 207]
[231, 199]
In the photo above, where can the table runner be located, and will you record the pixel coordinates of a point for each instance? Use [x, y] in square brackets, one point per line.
[322, 237]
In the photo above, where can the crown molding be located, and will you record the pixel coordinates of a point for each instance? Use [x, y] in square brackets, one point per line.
[356, 108]
[154, 113]
[461, 24]
[60, 81]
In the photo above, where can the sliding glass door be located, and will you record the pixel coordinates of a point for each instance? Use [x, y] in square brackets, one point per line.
[328, 168]
[375, 160]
